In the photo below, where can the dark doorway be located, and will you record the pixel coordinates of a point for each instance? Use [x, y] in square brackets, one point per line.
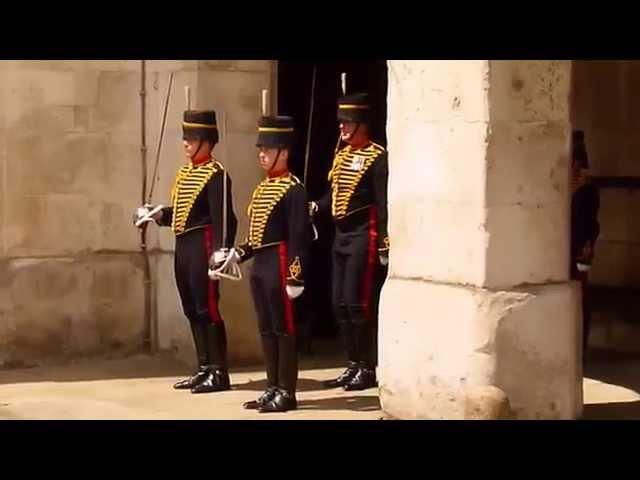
[294, 98]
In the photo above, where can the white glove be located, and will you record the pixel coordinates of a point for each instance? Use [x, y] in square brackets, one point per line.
[147, 213]
[224, 263]
[222, 255]
[384, 259]
[313, 208]
[583, 267]
[294, 291]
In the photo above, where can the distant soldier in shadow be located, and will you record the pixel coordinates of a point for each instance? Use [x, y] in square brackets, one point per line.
[585, 229]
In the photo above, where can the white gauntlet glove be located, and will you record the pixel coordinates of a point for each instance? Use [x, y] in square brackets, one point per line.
[225, 263]
[147, 213]
[294, 291]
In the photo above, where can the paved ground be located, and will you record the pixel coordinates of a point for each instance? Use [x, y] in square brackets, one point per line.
[140, 388]
[612, 386]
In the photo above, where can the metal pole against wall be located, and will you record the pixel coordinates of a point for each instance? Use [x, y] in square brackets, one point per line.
[148, 335]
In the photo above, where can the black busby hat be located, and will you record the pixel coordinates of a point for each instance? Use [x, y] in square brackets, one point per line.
[275, 132]
[354, 108]
[579, 149]
[200, 125]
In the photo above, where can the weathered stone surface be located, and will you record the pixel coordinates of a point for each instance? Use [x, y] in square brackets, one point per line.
[237, 92]
[529, 91]
[488, 200]
[486, 183]
[236, 65]
[487, 403]
[61, 308]
[456, 340]
[527, 245]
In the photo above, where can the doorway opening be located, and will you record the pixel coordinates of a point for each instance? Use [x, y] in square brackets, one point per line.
[294, 86]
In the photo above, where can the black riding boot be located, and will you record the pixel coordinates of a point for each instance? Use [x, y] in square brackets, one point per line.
[217, 379]
[270, 349]
[285, 397]
[200, 343]
[348, 338]
[365, 377]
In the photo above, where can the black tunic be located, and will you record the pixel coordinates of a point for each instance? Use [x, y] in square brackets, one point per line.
[585, 203]
[196, 219]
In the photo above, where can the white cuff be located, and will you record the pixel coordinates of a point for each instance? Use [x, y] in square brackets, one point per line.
[293, 291]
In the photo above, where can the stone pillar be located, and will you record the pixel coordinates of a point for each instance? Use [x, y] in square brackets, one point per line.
[478, 318]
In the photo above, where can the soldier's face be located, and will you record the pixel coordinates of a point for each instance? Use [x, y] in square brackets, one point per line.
[191, 149]
[267, 157]
[346, 130]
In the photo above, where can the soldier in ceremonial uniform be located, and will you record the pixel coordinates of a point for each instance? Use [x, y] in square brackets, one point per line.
[278, 242]
[196, 218]
[357, 201]
[585, 228]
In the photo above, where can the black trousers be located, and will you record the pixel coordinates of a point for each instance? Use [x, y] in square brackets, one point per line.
[200, 296]
[355, 285]
[276, 316]
[583, 278]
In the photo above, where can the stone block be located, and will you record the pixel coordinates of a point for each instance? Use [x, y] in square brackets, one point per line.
[446, 161]
[527, 164]
[236, 65]
[118, 105]
[431, 91]
[527, 245]
[79, 309]
[529, 91]
[236, 93]
[51, 225]
[452, 252]
[443, 356]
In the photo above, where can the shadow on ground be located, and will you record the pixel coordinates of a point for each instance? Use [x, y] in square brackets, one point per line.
[138, 366]
[366, 403]
[304, 385]
[325, 355]
[614, 367]
[617, 368]
[612, 411]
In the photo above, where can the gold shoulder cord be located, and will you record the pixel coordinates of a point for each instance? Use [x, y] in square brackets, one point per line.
[265, 198]
[188, 187]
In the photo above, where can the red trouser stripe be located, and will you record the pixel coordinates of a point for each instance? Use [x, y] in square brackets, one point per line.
[372, 260]
[288, 304]
[214, 312]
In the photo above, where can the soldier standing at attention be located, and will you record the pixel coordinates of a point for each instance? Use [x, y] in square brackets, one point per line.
[196, 218]
[278, 242]
[357, 201]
